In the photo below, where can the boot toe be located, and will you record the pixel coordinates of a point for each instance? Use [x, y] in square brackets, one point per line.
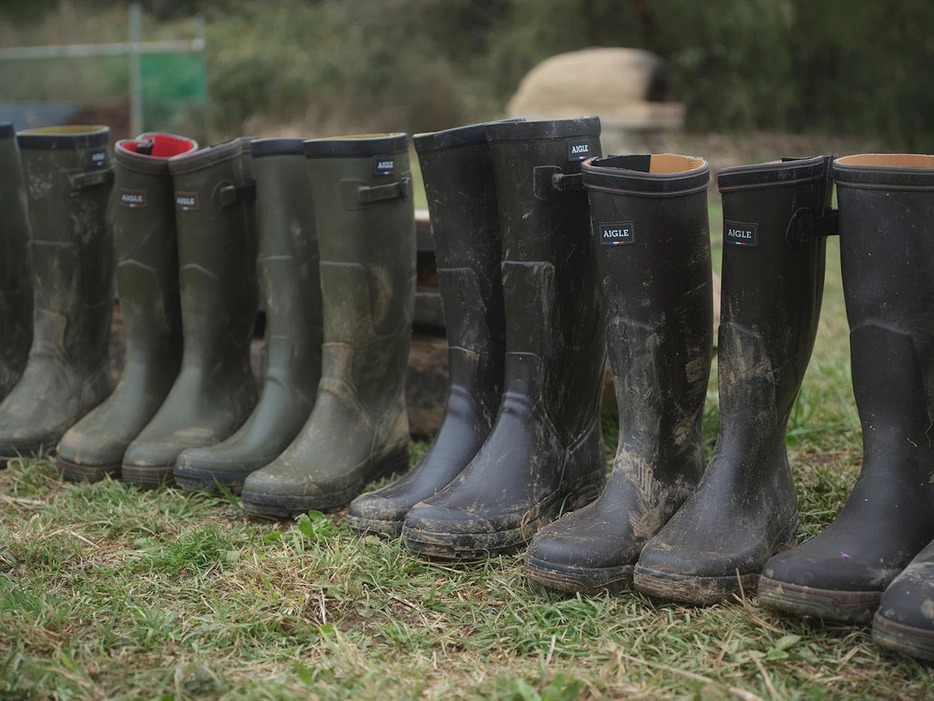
[429, 518]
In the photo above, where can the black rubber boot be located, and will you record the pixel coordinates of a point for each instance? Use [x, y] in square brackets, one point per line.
[545, 452]
[358, 429]
[68, 181]
[649, 220]
[15, 283]
[215, 391]
[458, 174]
[291, 282]
[905, 620]
[745, 507]
[886, 206]
[147, 285]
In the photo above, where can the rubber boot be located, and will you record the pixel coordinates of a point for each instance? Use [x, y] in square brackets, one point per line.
[904, 622]
[545, 452]
[15, 283]
[649, 220]
[68, 181]
[745, 507]
[214, 392]
[458, 173]
[886, 209]
[358, 429]
[147, 285]
[288, 264]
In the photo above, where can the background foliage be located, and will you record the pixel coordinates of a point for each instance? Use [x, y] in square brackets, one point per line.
[858, 68]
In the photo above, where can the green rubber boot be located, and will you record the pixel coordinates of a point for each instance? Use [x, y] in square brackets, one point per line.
[15, 284]
[147, 285]
[288, 263]
[68, 181]
[358, 429]
[215, 390]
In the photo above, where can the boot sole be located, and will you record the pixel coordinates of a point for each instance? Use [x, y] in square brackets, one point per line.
[147, 477]
[371, 526]
[907, 640]
[827, 604]
[282, 506]
[691, 590]
[584, 580]
[73, 472]
[475, 547]
[208, 482]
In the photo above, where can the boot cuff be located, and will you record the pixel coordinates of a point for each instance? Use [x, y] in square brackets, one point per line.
[788, 171]
[72, 137]
[459, 136]
[890, 171]
[356, 146]
[276, 147]
[6, 130]
[149, 152]
[652, 175]
[196, 160]
[543, 129]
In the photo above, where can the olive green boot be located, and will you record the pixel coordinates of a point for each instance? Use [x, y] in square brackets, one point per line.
[215, 390]
[15, 285]
[288, 264]
[358, 429]
[147, 284]
[68, 181]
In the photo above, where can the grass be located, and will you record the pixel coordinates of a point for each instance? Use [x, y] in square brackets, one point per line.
[108, 592]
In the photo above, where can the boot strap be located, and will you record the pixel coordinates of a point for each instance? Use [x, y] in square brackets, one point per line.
[805, 226]
[549, 182]
[359, 194]
[235, 194]
[91, 178]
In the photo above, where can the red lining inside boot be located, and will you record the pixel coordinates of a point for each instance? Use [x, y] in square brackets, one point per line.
[163, 145]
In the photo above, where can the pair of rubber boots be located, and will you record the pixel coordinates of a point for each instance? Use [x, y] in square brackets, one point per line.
[64, 283]
[664, 523]
[520, 440]
[876, 557]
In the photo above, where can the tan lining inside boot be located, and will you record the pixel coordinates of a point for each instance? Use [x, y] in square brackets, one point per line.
[673, 163]
[889, 160]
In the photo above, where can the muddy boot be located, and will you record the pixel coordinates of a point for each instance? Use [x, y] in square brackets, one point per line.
[904, 621]
[649, 217]
[68, 181]
[147, 285]
[215, 391]
[458, 174]
[15, 283]
[545, 452]
[288, 264]
[358, 429]
[745, 507]
[886, 205]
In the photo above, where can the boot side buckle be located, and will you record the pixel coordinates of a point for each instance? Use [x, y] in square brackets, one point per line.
[359, 194]
[805, 226]
[91, 178]
[235, 194]
[549, 182]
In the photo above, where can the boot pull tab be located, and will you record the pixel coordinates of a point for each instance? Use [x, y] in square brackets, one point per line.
[549, 182]
[805, 226]
[359, 194]
[91, 178]
[144, 146]
[235, 194]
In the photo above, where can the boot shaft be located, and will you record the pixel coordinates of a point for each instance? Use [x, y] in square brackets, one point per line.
[554, 337]
[69, 179]
[215, 223]
[288, 260]
[457, 169]
[366, 240]
[649, 218]
[886, 206]
[146, 246]
[772, 278]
